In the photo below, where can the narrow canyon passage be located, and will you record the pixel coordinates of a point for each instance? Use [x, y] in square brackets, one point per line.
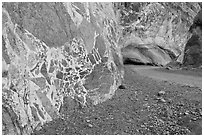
[95, 68]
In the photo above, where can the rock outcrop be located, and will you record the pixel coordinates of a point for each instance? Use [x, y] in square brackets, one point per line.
[193, 48]
[56, 52]
[59, 55]
[156, 32]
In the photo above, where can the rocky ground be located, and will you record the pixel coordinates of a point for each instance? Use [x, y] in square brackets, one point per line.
[143, 106]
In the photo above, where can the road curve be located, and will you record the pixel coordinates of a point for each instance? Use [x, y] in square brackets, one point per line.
[151, 72]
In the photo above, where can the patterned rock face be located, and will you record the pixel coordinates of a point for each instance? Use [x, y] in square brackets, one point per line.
[156, 33]
[52, 52]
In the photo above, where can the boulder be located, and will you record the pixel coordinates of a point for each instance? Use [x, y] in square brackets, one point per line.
[156, 32]
[54, 53]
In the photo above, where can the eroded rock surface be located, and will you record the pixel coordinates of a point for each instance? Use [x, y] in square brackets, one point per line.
[52, 52]
[156, 32]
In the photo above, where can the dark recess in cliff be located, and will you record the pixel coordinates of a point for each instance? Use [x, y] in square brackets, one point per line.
[128, 61]
[193, 49]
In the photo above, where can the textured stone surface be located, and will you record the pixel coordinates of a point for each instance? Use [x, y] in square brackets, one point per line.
[156, 32]
[54, 52]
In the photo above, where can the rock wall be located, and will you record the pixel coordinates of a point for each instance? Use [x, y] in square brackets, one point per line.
[53, 52]
[193, 48]
[156, 32]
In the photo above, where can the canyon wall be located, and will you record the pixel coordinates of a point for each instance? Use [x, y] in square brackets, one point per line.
[56, 52]
[193, 48]
[57, 56]
[156, 32]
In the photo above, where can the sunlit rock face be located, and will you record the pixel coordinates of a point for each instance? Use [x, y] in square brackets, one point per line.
[156, 32]
[53, 51]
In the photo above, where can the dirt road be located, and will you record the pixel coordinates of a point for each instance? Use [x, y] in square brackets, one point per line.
[153, 72]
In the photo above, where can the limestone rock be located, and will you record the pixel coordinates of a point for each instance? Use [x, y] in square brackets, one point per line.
[161, 93]
[156, 32]
[53, 51]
